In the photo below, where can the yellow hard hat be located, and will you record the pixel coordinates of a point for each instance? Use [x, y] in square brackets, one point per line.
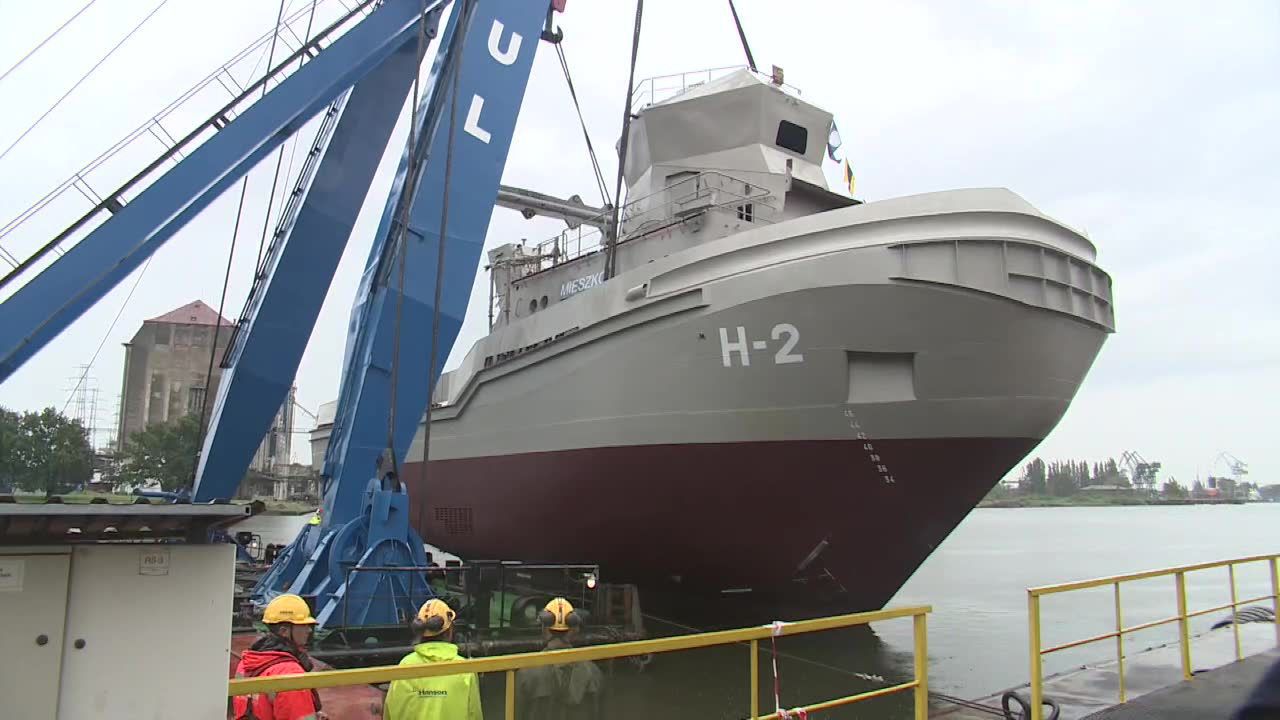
[559, 616]
[434, 617]
[288, 608]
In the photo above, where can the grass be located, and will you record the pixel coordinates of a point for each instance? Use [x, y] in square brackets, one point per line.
[1085, 500]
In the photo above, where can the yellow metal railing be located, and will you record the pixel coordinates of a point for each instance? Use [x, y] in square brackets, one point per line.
[509, 664]
[1183, 618]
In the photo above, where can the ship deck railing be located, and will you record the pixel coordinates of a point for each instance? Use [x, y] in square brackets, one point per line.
[660, 88]
[1182, 617]
[750, 637]
[706, 191]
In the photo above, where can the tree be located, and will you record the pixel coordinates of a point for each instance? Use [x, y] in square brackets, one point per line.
[1064, 478]
[44, 451]
[1033, 480]
[10, 438]
[1109, 473]
[999, 491]
[164, 453]
[1173, 489]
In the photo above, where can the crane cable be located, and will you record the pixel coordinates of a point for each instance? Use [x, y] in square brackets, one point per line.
[742, 35]
[400, 228]
[226, 281]
[49, 37]
[614, 222]
[440, 247]
[595, 163]
[107, 335]
[217, 327]
[293, 150]
[275, 180]
[83, 77]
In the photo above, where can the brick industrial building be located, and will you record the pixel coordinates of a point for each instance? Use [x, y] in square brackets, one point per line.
[165, 370]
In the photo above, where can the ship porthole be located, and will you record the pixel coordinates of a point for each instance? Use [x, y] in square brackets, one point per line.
[533, 306]
[543, 302]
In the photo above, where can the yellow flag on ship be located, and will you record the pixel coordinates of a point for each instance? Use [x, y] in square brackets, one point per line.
[848, 176]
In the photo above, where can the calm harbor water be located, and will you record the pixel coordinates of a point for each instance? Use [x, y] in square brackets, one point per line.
[976, 583]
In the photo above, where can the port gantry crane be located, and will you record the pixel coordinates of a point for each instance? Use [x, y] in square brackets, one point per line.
[446, 186]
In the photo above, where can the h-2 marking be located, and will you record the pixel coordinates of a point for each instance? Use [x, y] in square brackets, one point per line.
[743, 347]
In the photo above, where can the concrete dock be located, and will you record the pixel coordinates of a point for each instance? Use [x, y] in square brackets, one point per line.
[1154, 684]
[1210, 695]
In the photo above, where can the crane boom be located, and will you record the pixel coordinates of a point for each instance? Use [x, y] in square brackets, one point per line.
[50, 301]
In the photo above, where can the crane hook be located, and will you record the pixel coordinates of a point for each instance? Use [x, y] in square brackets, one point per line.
[552, 36]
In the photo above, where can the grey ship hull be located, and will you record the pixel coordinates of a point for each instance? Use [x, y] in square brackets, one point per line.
[823, 398]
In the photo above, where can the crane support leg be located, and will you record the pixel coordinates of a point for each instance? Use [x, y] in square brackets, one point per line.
[496, 57]
[282, 312]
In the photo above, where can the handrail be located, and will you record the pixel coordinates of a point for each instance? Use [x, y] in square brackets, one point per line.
[661, 88]
[658, 210]
[919, 683]
[1144, 575]
[556, 247]
[1038, 651]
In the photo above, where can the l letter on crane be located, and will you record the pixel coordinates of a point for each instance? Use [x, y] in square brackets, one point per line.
[506, 57]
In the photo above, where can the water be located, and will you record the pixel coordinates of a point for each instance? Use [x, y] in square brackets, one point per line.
[976, 582]
[977, 579]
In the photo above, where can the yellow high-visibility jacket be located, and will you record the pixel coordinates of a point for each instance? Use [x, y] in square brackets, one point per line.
[448, 697]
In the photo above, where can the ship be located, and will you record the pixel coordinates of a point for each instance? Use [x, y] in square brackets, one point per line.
[759, 388]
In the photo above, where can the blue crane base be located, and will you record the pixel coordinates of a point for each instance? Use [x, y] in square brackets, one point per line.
[369, 571]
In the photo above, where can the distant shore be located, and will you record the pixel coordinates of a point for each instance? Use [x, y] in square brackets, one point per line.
[1094, 500]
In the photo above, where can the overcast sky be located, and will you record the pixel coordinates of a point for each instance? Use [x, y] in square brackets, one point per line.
[1151, 125]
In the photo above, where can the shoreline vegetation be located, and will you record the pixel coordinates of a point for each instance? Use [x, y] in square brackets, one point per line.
[1128, 482]
[1093, 500]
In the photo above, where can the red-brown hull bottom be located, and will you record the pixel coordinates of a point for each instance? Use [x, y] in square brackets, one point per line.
[706, 518]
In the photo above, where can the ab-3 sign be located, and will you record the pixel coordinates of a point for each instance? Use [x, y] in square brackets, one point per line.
[742, 347]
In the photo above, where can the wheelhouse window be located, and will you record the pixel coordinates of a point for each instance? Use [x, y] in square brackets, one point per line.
[792, 137]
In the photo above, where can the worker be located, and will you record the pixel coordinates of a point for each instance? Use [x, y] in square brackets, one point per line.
[281, 651]
[560, 692]
[452, 697]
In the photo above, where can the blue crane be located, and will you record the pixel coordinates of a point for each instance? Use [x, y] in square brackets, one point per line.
[439, 209]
